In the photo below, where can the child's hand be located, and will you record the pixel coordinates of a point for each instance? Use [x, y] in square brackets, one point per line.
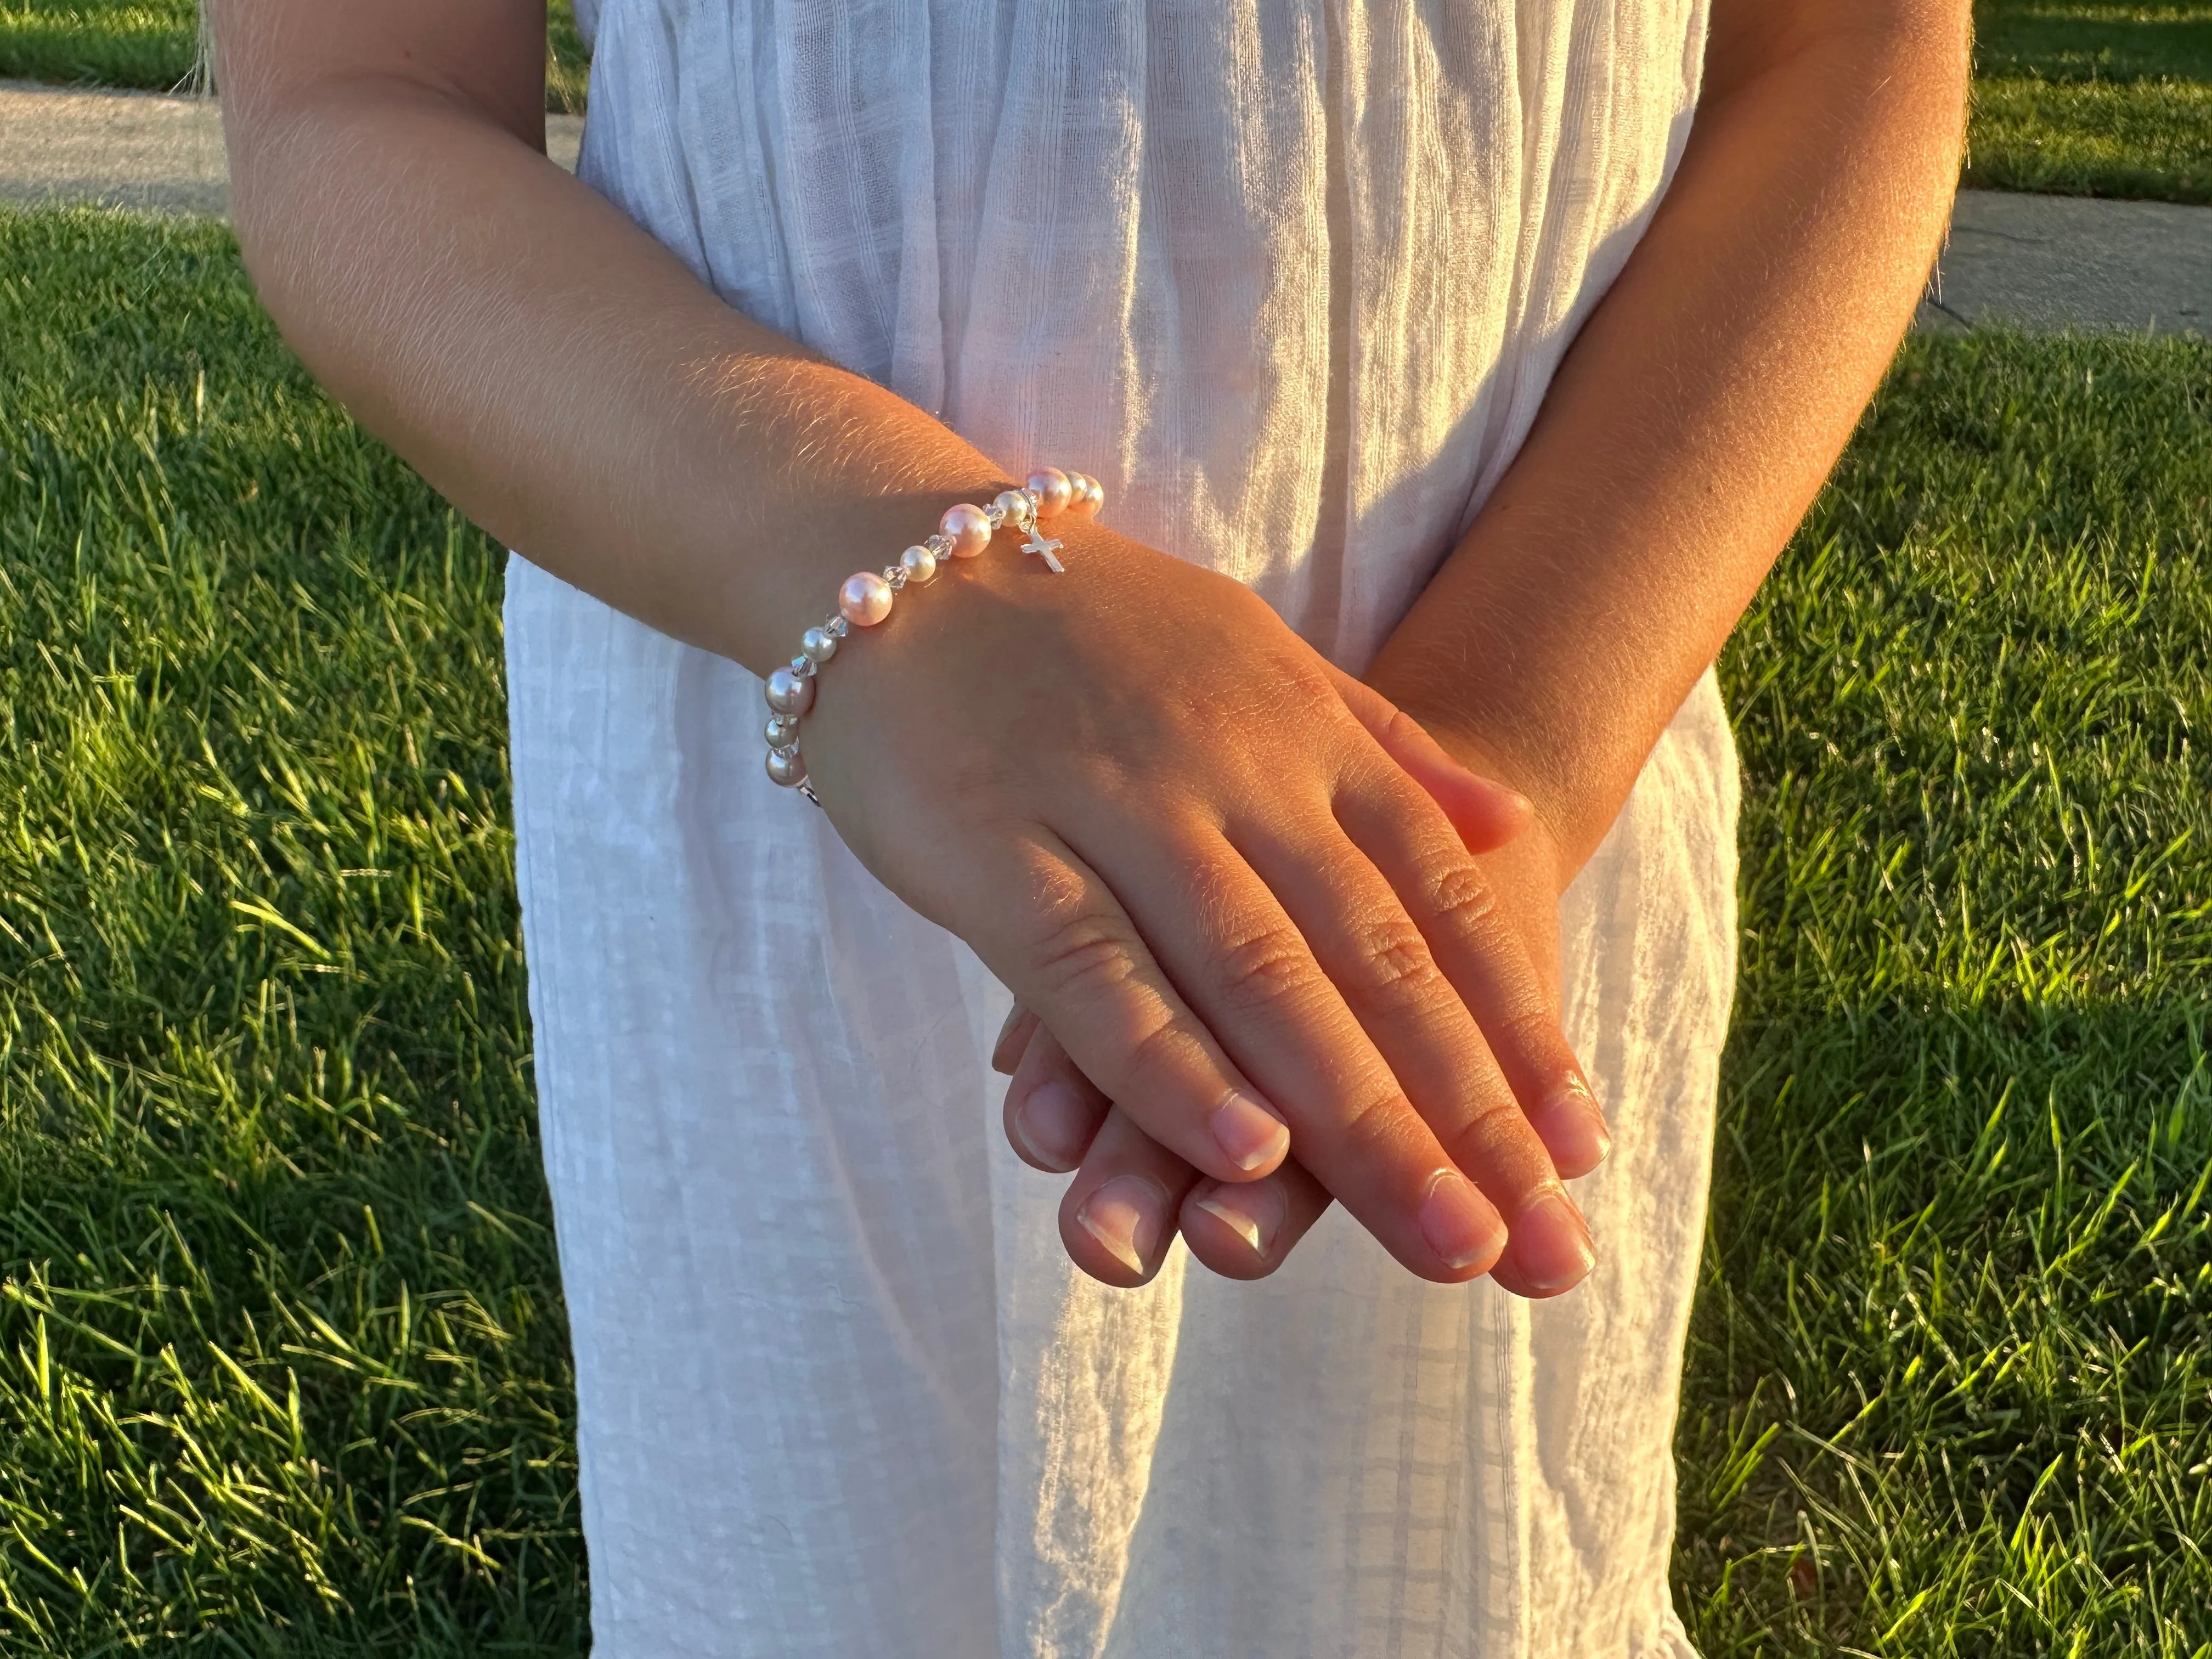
[1148, 806]
[1056, 1118]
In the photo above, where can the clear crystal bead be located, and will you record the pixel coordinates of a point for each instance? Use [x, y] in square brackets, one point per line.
[894, 575]
[939, 544]
[996, 514]
[838, 626]
[803, 666]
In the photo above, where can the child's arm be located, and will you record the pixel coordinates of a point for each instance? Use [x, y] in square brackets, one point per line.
[1123, 785]
[1685, 434]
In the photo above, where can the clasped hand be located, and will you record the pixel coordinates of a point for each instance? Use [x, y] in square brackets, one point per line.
[1240, 901]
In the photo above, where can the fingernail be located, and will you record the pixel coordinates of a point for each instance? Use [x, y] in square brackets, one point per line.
[1057, 1122]
[1126, 1216]
[1572, 1128]
[1550, 1245]
[1002, 1062]
[1252, 1210]
[1249, 1132]
[1459, 1223]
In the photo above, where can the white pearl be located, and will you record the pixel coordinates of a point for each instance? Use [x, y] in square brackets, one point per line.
[781, 731]
[785, 767]
[1049, 485]
[865, 598]
[1094, 495]
[819, 644]
[920, 564]
[1015, 504]
[788, 694]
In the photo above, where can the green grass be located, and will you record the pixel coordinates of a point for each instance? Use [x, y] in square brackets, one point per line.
[2093, 97]
[155, 44]
[98, 42]
[282, 1368]
[1949, 1391]
[2080, 97]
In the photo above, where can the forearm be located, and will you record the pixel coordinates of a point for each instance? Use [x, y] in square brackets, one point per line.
[1700, 407]
[559, 376]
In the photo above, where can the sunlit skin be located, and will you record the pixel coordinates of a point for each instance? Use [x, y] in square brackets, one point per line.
[1260, 878]
[1685, 435]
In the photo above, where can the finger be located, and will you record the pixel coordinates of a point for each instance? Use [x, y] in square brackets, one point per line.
[1052, 929]
[1240, 1230]
[1223, 937]
[1053, 1110]
[1245, 1229]
[1486, 814]
[1372, 944]
[1013, 1038]
[1118, 1215]
[1482, 953]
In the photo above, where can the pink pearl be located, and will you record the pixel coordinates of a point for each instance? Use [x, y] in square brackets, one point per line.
[1051, 485]
[1084, 494]
[967, 529]
[865, 598]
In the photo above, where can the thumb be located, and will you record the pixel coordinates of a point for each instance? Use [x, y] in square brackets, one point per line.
[1487, 813]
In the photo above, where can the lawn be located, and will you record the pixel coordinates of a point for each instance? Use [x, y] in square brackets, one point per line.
[2081, 97]
[155, 44]
[282, 1363]
[2093, 97]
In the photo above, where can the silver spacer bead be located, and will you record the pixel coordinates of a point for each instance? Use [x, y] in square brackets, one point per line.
[819, 644]
[781, 731]
[786, 767]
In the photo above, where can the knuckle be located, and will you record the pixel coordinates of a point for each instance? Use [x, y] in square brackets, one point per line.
[1394, 962]
[1260, 969]
[1492, 1132]
[1082, 947]
[1380, 1127]
[1459, 895]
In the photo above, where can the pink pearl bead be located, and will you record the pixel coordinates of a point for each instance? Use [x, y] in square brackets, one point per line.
[967, 529]
[865, 600]
[1052, 486]
[1084, 494]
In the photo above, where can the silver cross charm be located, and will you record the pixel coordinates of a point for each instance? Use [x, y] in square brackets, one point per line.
[1044, 549]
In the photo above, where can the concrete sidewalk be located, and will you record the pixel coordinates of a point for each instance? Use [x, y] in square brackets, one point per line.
[2072, 262]
[138, 150]
[2039, 261]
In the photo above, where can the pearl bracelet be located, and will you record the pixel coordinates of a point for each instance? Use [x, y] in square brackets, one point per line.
[865, 597]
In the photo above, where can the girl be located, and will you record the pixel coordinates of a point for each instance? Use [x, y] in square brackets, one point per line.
[1488, 350]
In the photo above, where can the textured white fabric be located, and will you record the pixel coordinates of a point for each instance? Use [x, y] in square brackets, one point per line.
[1291, 278]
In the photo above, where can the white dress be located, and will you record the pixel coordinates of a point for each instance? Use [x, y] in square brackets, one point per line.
[1291, 277]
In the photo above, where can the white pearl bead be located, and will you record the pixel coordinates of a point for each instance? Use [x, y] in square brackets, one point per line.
[781, 731]
[819, 644]
[1049, 485]
[966, 528]
[920, 564]
[1087, 495]
[1015, 504]
[785, 767]
[865, 598]
[788, 694]
[1094, 495]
